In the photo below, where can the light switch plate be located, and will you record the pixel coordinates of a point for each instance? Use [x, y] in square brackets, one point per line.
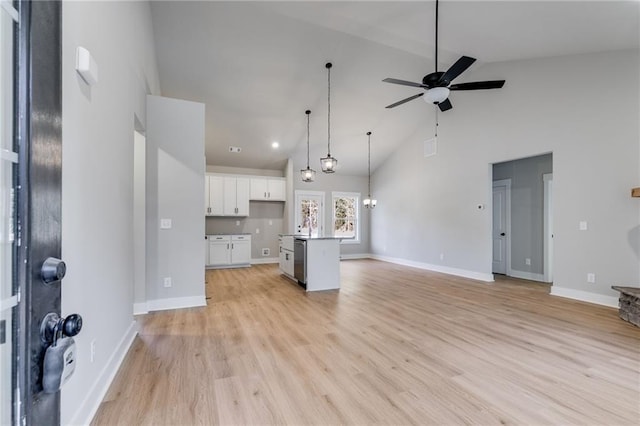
[165, 223]
[583, 225]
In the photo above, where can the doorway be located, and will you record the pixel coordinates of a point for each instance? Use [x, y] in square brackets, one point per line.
[309, 213]
[139, 221]
[522, 225]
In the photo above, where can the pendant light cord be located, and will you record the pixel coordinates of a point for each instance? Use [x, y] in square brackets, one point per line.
[329, 109]
[308, 112]
[369, 162]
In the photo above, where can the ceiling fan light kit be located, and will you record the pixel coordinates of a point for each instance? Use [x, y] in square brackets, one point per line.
[308, 174]
[369, 203]
[328, 163]
[437, 84]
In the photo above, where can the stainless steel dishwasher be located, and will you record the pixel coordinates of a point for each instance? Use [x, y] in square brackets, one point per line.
[300, 261]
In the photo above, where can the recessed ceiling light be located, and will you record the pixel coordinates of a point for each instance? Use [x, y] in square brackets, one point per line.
[275, 144]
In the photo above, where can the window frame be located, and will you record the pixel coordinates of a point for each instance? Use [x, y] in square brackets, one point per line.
[342, 194]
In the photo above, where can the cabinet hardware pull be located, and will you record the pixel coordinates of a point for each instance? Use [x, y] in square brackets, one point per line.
[265, 195]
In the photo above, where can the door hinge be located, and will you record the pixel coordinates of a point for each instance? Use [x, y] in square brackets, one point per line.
[3, 331]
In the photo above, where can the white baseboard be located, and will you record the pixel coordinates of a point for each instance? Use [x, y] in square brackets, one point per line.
[585, 296]
[437, 268]
[531, 276]
[88, 408]
[176, 303]
[140, 308]
[355, 256]
[263, 260]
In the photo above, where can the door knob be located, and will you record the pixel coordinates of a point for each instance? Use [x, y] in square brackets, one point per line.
[53, 270]
[502, 234]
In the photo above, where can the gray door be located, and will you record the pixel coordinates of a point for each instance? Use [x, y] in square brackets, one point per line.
[38, 197]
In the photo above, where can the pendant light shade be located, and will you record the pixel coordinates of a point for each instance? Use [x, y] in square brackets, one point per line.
[308, 174]
[328, 163]
[369, 203]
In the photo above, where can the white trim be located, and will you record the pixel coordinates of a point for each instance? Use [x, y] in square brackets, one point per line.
[532, 276]
[355, 256]
[480, 276]
[547, 180]
[228, 266]
[9, 302]
[585, 296]
[88, 408]
[176, 303]
[140, 308]
[264, 260]
[8, 7]
[10, 156]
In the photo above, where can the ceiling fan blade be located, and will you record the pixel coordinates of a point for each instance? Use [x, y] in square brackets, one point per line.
[403, 82]
[478, 85]
[410, 98]
[456, 69]
[445, 105]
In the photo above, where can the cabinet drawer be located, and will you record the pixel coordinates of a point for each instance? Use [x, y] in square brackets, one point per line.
[241, 238]
[219, 238]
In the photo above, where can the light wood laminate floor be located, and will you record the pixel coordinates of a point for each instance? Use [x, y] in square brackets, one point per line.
[395, 345]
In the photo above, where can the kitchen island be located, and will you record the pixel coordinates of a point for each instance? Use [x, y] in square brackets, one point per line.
[316, 262]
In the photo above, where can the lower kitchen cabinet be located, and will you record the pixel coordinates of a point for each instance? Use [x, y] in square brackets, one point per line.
[229, 251]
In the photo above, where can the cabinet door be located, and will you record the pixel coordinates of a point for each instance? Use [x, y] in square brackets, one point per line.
[219, 253]
[276, 190]
[216, 196]
[259, 189]
[207, 204]
[288, 263]
[242, 196]
[240, 252]
[229, 189]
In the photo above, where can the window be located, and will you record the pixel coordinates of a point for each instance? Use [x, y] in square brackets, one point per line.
[346, 216]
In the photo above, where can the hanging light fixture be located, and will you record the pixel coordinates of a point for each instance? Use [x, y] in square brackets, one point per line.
[369, 202]
[308, 174]
[329, 163]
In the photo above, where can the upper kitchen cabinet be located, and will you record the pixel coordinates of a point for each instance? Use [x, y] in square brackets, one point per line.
[268, 189]
[213, 195]
[236, 196]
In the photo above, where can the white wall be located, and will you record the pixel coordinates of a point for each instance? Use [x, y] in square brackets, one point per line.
[427, 206]
[97, 185]
[175, 188]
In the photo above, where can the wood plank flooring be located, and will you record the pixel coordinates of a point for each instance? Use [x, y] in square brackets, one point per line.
[395, 345]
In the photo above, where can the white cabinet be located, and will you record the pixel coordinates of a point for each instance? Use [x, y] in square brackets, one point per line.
[219, 250]
[236, 196]
[286, 255]
[229, 250]
[268, 189]
[240, 249]
[213, 195]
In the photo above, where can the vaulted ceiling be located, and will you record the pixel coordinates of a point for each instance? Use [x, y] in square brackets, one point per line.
[259, 65]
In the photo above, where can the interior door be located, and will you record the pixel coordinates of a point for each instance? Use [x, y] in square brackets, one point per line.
[309, 213]
[38, 201]
[500, 227]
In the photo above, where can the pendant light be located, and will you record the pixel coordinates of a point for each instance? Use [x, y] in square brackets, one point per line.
[329, 163]
[308, 174]
[369, 202]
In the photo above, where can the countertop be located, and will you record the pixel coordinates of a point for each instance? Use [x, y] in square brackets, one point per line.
[304, 237]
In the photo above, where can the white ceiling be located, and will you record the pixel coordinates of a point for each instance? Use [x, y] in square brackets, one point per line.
[259, 65]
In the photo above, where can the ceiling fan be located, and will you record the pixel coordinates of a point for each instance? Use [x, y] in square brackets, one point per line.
[438, 84]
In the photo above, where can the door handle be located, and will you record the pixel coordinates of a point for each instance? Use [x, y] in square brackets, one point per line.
[502, 234]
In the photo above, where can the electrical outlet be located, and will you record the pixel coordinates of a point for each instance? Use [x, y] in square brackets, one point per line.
[583, 225]
[527, 261]
[237, 223]
[591, 277]
[92, 351]
[167, 281]
[441, 256]
[165, 224]
[270, 222]
[257, 230]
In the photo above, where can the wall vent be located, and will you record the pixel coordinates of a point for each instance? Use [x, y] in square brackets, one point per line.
[430, 147]
[266, 252]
